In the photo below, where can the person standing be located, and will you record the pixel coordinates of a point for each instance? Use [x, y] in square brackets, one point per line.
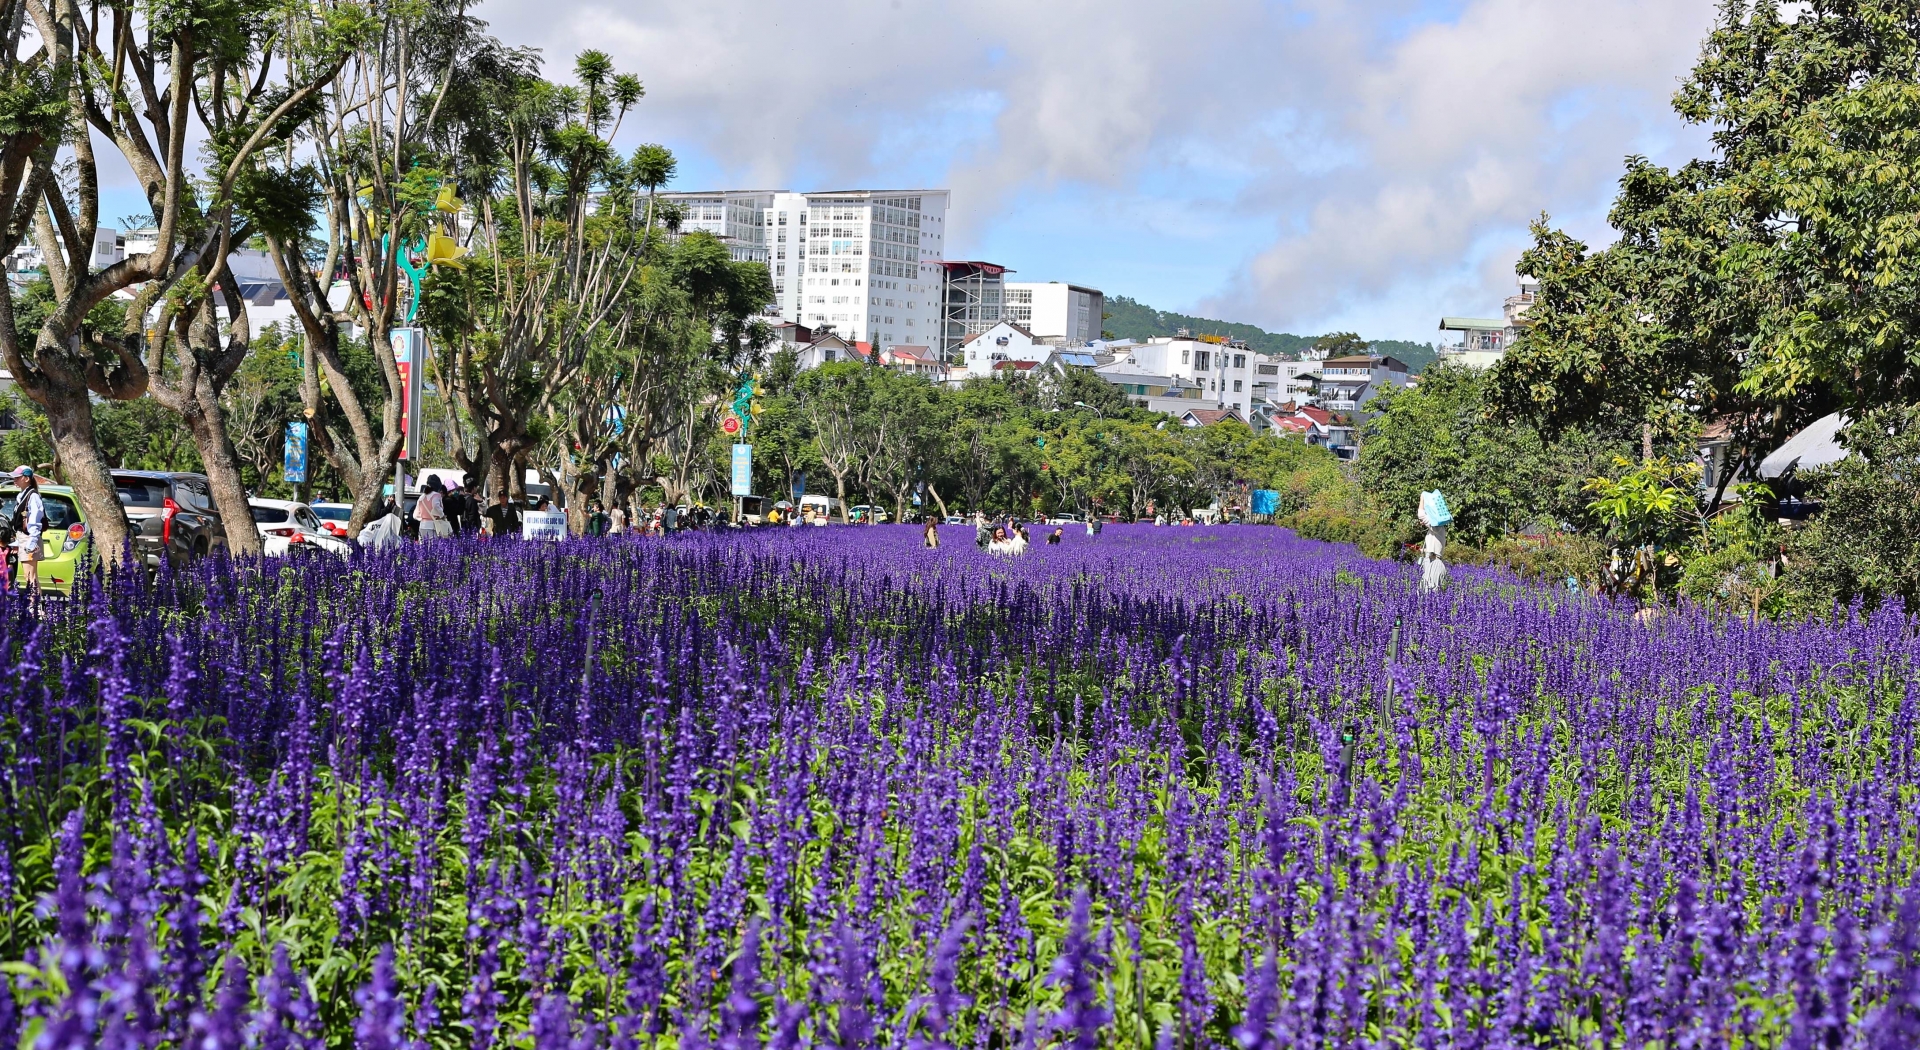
[617, 521]
[430, 510]
[982, 533]
[1054, 537]
[597, 520]
[29, 521]
[932, 538]
[502, 518]
[455, 503]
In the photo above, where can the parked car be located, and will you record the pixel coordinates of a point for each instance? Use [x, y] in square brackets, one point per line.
[171, 514]
[285, 525]
[66, 543]
[334, 516]
[861, 513]
[954, 519]
[1064, 519]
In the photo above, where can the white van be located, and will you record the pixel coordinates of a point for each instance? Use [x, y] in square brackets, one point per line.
[823, 508]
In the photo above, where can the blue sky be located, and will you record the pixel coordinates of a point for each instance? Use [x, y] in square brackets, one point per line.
[1305, 165]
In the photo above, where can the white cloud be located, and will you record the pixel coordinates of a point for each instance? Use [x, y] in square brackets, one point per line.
[1367, 158]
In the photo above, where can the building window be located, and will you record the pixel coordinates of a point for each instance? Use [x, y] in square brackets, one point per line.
[1239, 360]
[1201, 359]
[1236, 386]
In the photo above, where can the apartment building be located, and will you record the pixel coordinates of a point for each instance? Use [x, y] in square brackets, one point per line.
[866, 263]
[1210, 370]
[1063, 314]
[1344, 385]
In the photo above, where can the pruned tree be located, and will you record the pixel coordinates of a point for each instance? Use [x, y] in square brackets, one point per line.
[147, 79]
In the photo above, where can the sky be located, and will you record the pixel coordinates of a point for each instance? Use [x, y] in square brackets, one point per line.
[1303, 165]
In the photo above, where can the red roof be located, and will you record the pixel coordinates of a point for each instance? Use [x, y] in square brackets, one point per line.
[1018, 366]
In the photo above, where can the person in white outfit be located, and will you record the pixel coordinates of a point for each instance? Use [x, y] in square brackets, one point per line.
[618, 515]
[1005, 544]
[431, 511]
[382, 532]
[1433, 570]
[29, 521]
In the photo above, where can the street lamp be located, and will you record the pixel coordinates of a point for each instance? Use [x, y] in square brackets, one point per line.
[1097, 413]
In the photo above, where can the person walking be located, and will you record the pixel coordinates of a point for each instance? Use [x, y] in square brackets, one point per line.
[28, 522]
[932, 538]
[430, 510]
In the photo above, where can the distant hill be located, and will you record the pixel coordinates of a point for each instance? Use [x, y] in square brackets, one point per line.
[1129, 319]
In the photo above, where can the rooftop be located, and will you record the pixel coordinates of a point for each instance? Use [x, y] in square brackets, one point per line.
[1472, 324]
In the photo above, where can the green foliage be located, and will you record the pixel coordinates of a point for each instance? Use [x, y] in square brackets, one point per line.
[1864, 543]
[1499, 478]
[1734, 565]
[1774, 281]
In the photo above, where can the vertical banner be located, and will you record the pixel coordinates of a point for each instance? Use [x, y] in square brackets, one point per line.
[294, 459]
[410, 354]
[743, 470]
[799, 484]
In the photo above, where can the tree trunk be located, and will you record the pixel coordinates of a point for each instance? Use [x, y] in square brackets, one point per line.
[223, 477]
[937, 501]
[70, 421]
[840, 492]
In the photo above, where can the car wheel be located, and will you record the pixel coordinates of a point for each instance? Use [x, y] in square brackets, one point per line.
[200, 549]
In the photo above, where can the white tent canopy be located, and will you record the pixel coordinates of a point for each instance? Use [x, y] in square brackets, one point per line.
[1816, 446]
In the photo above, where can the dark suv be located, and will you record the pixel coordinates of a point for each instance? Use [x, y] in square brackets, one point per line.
[171, 515]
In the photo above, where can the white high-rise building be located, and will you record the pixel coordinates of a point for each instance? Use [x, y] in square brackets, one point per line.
[866, 262]
[1066, 314]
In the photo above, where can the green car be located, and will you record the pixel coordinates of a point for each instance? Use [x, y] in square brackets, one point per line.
[66, 544]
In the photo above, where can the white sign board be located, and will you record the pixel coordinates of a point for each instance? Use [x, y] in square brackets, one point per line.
[543, 525]
[743, 470]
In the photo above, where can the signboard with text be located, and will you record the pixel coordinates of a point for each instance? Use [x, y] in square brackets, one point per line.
[743, 470]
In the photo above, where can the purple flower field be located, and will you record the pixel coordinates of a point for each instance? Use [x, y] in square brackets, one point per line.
[821, 787]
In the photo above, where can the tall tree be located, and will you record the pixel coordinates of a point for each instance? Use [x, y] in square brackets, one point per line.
[1766, 284]
[556, 258]
[147, 79]
[377, 166]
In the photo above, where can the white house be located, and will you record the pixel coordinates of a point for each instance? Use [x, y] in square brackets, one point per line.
[1005, 341]
[1065, 314]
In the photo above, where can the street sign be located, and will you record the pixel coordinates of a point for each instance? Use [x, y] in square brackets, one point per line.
[731, 424]
[743, 470]
[294, 459]
[410, 354]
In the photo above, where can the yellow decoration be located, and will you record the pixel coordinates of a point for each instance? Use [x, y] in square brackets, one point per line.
[446, 201]
[443, 249]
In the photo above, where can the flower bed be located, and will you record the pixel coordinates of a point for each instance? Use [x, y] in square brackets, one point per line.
[823, 787]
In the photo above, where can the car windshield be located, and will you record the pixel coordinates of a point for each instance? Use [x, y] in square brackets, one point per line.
[269, 515]
[334, 513]
[135, 492]
[60, 512]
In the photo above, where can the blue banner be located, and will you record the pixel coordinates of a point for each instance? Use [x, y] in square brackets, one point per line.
[295, 456]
